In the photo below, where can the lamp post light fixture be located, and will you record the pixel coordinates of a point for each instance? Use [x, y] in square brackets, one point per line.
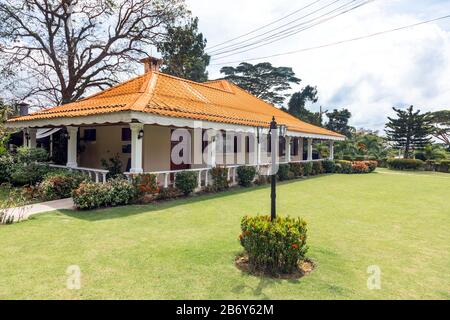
[140, 134]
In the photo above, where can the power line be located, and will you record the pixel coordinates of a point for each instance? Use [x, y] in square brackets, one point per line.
[277, 28]
[339, 42]
[288, 33]
[267, 25]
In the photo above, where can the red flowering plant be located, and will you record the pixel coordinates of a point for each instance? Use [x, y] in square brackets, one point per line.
[274, 247]
[360, 167]
[145, 184]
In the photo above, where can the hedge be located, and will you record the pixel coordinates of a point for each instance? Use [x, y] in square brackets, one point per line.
[405, 164]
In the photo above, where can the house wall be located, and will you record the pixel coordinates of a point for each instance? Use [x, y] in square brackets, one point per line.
[157, 148]
[108, 143]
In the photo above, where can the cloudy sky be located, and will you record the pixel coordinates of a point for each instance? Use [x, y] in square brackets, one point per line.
[368, 77]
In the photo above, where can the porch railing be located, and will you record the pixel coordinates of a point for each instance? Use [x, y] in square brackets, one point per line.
[167, 178]
[97, 175]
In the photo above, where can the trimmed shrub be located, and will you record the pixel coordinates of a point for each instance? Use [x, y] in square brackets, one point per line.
[405, 164]
[329, 166]
[145, 184]
[372, 165]
[274, 247]
[444, 166]
[120, 192]
[283, 172]
[167, 193]
[59, 185]
[307, 168]
[296, 169]
[246, 175]
[220, 178]
[431, 165]
[344, 166]
[317, 168]
[186, 182]
[91, 195]
[360, 167]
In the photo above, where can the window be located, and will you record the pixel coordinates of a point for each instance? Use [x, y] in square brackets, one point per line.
[90, 135]
[126, 148]
[294, 147]
[126, 134]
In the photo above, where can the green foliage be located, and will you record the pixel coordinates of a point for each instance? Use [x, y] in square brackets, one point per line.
[6, 167]
[115, 192]
[186, 182]
[440, 120]
[220, 178]
[432, 152]
[405, 164]
[167, 193]
[28, 155]
[360, 167]
[283, 172]
[296, 169]
[338, 122]
[114, 166]
[297, 105]
[329, 166]
[362, 145]
[262, 80]
[274, 247]
[183, 52]
[246, 175]
[307, 168]
[145, 184]
[444, 166]
[409, 131]
[121, 192]
[28, 174]
[317, 168]
[60, 185]
[344, 166]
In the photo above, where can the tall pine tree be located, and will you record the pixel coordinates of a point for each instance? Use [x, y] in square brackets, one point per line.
[410, 131]
[183, 52]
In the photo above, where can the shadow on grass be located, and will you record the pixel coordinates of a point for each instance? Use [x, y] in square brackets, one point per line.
[125, 211]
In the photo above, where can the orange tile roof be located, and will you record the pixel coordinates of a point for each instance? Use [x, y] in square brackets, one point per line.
[161, 94]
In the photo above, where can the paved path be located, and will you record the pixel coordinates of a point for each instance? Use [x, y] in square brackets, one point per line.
[22, 213]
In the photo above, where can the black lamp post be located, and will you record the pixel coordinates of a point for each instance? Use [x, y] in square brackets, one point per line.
[273, 192]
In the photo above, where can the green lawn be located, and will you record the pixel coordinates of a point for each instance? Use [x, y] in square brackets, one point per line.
[185, 249]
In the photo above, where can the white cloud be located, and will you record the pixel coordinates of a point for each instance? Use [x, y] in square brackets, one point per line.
[368, 77]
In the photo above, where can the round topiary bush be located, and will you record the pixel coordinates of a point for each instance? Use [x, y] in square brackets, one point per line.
[274, 247]
[186, 182]
[246, 175]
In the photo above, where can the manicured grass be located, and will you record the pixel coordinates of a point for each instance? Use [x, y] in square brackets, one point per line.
[185, 249]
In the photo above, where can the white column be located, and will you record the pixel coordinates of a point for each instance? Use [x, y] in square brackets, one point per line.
[72, 147]
[213, 151]
[310, 150]
[32, 135]
[331, 150]
[257, 148]
[288, 149]
[136, 148]
[300, 148]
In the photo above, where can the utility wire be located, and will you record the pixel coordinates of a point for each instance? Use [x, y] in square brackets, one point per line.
[290, 32]
[339, 42]
[277, 28]
[265, 26]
